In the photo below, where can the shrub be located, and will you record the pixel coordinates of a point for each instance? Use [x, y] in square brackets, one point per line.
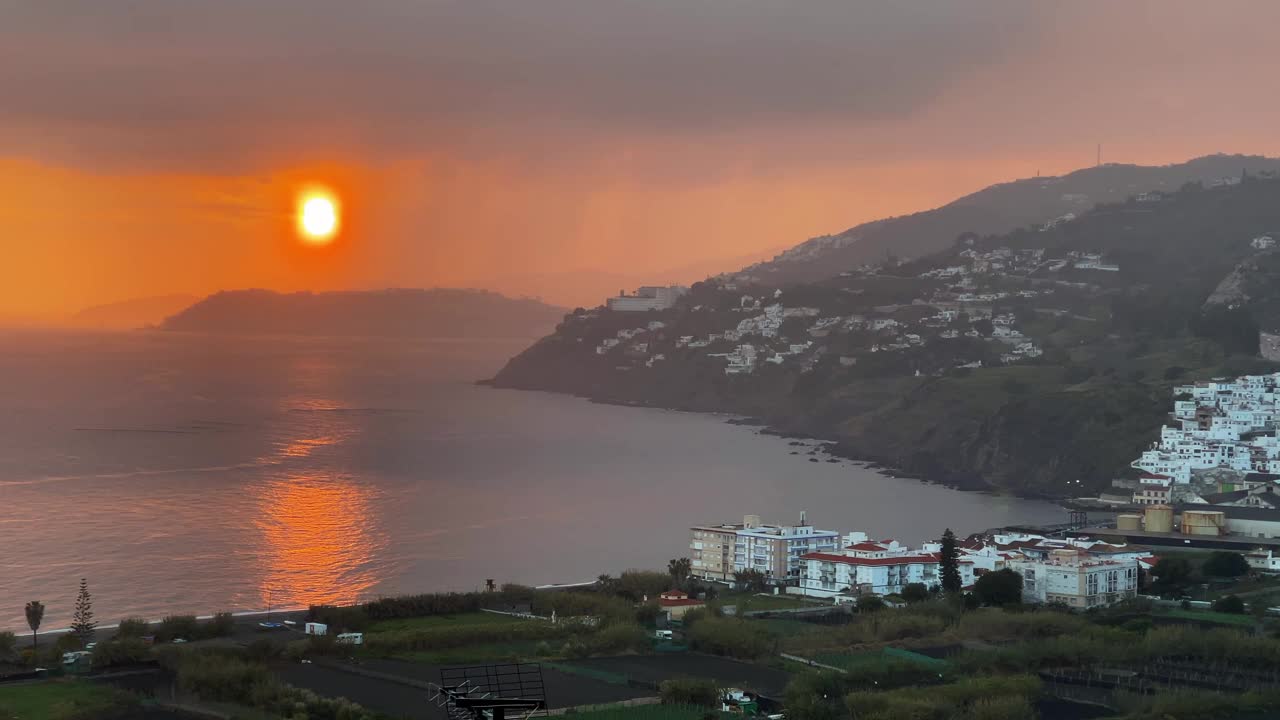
[1010, 707]
[1225, 564]
[618, 638]
[221, 677]
[177, 626]
[991, 625]
[1002, 587]
[66, 643]
[121, 651]
[229, 677]
[133, 627]
[635, 585]
[222, 625]
[689, 691]
[647, 614]
[894, 673]
[263, 649]
[915, 592]
[899, 626]
[869, 603]
[1229, 604]
[408, 606]
[734, 637]
[443, 638]
[8, 645]
[992, 698]
[339, 619]
[699, 613]
[817, 696]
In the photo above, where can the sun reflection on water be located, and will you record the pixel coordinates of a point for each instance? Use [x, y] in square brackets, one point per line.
[320, 539]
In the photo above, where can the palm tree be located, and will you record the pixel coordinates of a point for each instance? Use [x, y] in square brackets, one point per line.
[35, 614]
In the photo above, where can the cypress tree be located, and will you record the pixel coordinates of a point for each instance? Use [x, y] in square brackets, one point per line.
[82, 624]
[949, 563]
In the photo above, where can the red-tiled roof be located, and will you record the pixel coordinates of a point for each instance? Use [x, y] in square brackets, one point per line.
[891, 560]
[1153, 476]
[867, 547]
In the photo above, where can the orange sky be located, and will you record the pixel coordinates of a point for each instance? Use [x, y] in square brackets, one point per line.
[564, 148]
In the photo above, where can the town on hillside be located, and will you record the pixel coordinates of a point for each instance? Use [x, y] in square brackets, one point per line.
[1212, 479]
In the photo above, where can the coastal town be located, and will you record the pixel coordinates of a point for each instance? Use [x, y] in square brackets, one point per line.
[806, 561]
[976, 307]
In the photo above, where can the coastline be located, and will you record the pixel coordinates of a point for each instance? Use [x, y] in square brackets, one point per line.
[833, 447]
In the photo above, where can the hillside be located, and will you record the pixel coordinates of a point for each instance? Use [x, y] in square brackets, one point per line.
[993, 210]
[437, 313]
[132, 314]
[1038, 361]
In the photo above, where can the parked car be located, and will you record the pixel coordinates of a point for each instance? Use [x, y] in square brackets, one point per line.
[71, 658]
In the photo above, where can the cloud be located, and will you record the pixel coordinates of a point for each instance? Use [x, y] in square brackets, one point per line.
[147, 83]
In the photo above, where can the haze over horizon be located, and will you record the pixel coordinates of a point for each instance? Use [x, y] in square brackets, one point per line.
[151, 149]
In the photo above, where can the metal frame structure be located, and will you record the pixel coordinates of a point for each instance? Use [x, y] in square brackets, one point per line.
[491, 692]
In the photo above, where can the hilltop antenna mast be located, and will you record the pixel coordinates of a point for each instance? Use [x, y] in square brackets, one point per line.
[1099, 160]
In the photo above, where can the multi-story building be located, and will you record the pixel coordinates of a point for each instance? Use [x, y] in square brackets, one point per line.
[649, 297]
[874, 568]
[718, 551]
[711, 552]
[1073, 578]
[1153, 489]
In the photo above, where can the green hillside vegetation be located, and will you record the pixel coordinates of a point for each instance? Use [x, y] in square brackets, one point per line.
[1113, 344]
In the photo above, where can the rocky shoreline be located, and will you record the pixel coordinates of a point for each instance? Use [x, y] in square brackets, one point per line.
[836, 449]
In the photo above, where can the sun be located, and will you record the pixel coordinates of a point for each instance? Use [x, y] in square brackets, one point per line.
[317, 218]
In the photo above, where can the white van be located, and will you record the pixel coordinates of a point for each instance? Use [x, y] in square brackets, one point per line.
[351, 638]
[663, 634]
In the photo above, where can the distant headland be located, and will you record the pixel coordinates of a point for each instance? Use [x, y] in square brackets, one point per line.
[436, 313]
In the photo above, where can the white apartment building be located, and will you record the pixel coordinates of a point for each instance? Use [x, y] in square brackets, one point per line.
[1075, 579]
[716, 552]
[874, 568]
[648, 297]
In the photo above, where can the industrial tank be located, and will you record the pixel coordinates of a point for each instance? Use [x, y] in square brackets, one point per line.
[1159, 518]
[1204, 522]
[1128, 522]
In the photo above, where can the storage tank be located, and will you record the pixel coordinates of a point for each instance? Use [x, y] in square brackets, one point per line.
[1204, 522]
[1128, 522]
[1159, 518]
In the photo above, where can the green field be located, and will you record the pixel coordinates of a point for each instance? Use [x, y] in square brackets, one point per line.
[432, 622]
[781, 627]
[481, 653]
[854, 661]
[1209, 616]
[60, 698]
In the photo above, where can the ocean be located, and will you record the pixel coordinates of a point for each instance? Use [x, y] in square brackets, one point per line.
[191, 474]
